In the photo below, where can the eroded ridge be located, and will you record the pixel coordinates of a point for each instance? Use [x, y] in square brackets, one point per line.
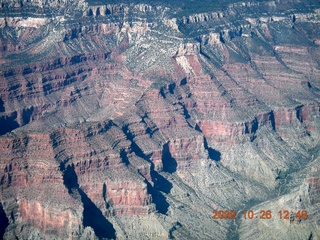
[137, 121]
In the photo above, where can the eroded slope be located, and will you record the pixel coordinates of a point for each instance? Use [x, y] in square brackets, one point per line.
[125, 121]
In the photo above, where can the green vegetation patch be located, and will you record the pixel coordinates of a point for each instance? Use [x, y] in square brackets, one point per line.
[183, 7]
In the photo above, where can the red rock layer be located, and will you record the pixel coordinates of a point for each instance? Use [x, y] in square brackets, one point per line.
[31, 171]
[114, 117]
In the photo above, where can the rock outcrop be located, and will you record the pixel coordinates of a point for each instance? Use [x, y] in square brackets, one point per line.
[129, 121]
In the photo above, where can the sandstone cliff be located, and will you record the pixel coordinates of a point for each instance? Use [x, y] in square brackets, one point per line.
[129, 121]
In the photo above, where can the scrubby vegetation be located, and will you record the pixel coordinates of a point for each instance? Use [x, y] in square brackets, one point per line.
[184, 7]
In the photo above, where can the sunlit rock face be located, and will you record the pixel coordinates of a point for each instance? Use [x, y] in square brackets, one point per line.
[137, 121]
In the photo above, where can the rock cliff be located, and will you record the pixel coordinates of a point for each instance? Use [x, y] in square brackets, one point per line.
[131, 121]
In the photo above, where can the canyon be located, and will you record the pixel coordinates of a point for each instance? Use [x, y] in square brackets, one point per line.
[136, 120]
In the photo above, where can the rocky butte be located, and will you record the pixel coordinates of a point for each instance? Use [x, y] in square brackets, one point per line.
[136, 121]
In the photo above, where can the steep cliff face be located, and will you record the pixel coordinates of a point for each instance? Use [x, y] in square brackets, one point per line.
[29, 178]
[39, 4]
[127, 121]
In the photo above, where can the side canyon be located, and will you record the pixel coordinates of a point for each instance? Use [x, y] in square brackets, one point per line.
[136, 121]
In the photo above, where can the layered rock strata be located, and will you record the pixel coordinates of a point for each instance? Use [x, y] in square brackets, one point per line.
[126, 121]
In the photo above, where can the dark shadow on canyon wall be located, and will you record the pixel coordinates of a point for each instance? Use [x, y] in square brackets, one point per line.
[213, 154]
[2, 108]
[26, 115]
[104, 191]
[273, 121]
[169, 163]
[124, 157]
[160, 184]
[254, 126]
[92, 215]
[4, 221]
[8, 123]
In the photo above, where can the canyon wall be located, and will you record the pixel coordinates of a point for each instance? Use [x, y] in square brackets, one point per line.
[128, 121]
